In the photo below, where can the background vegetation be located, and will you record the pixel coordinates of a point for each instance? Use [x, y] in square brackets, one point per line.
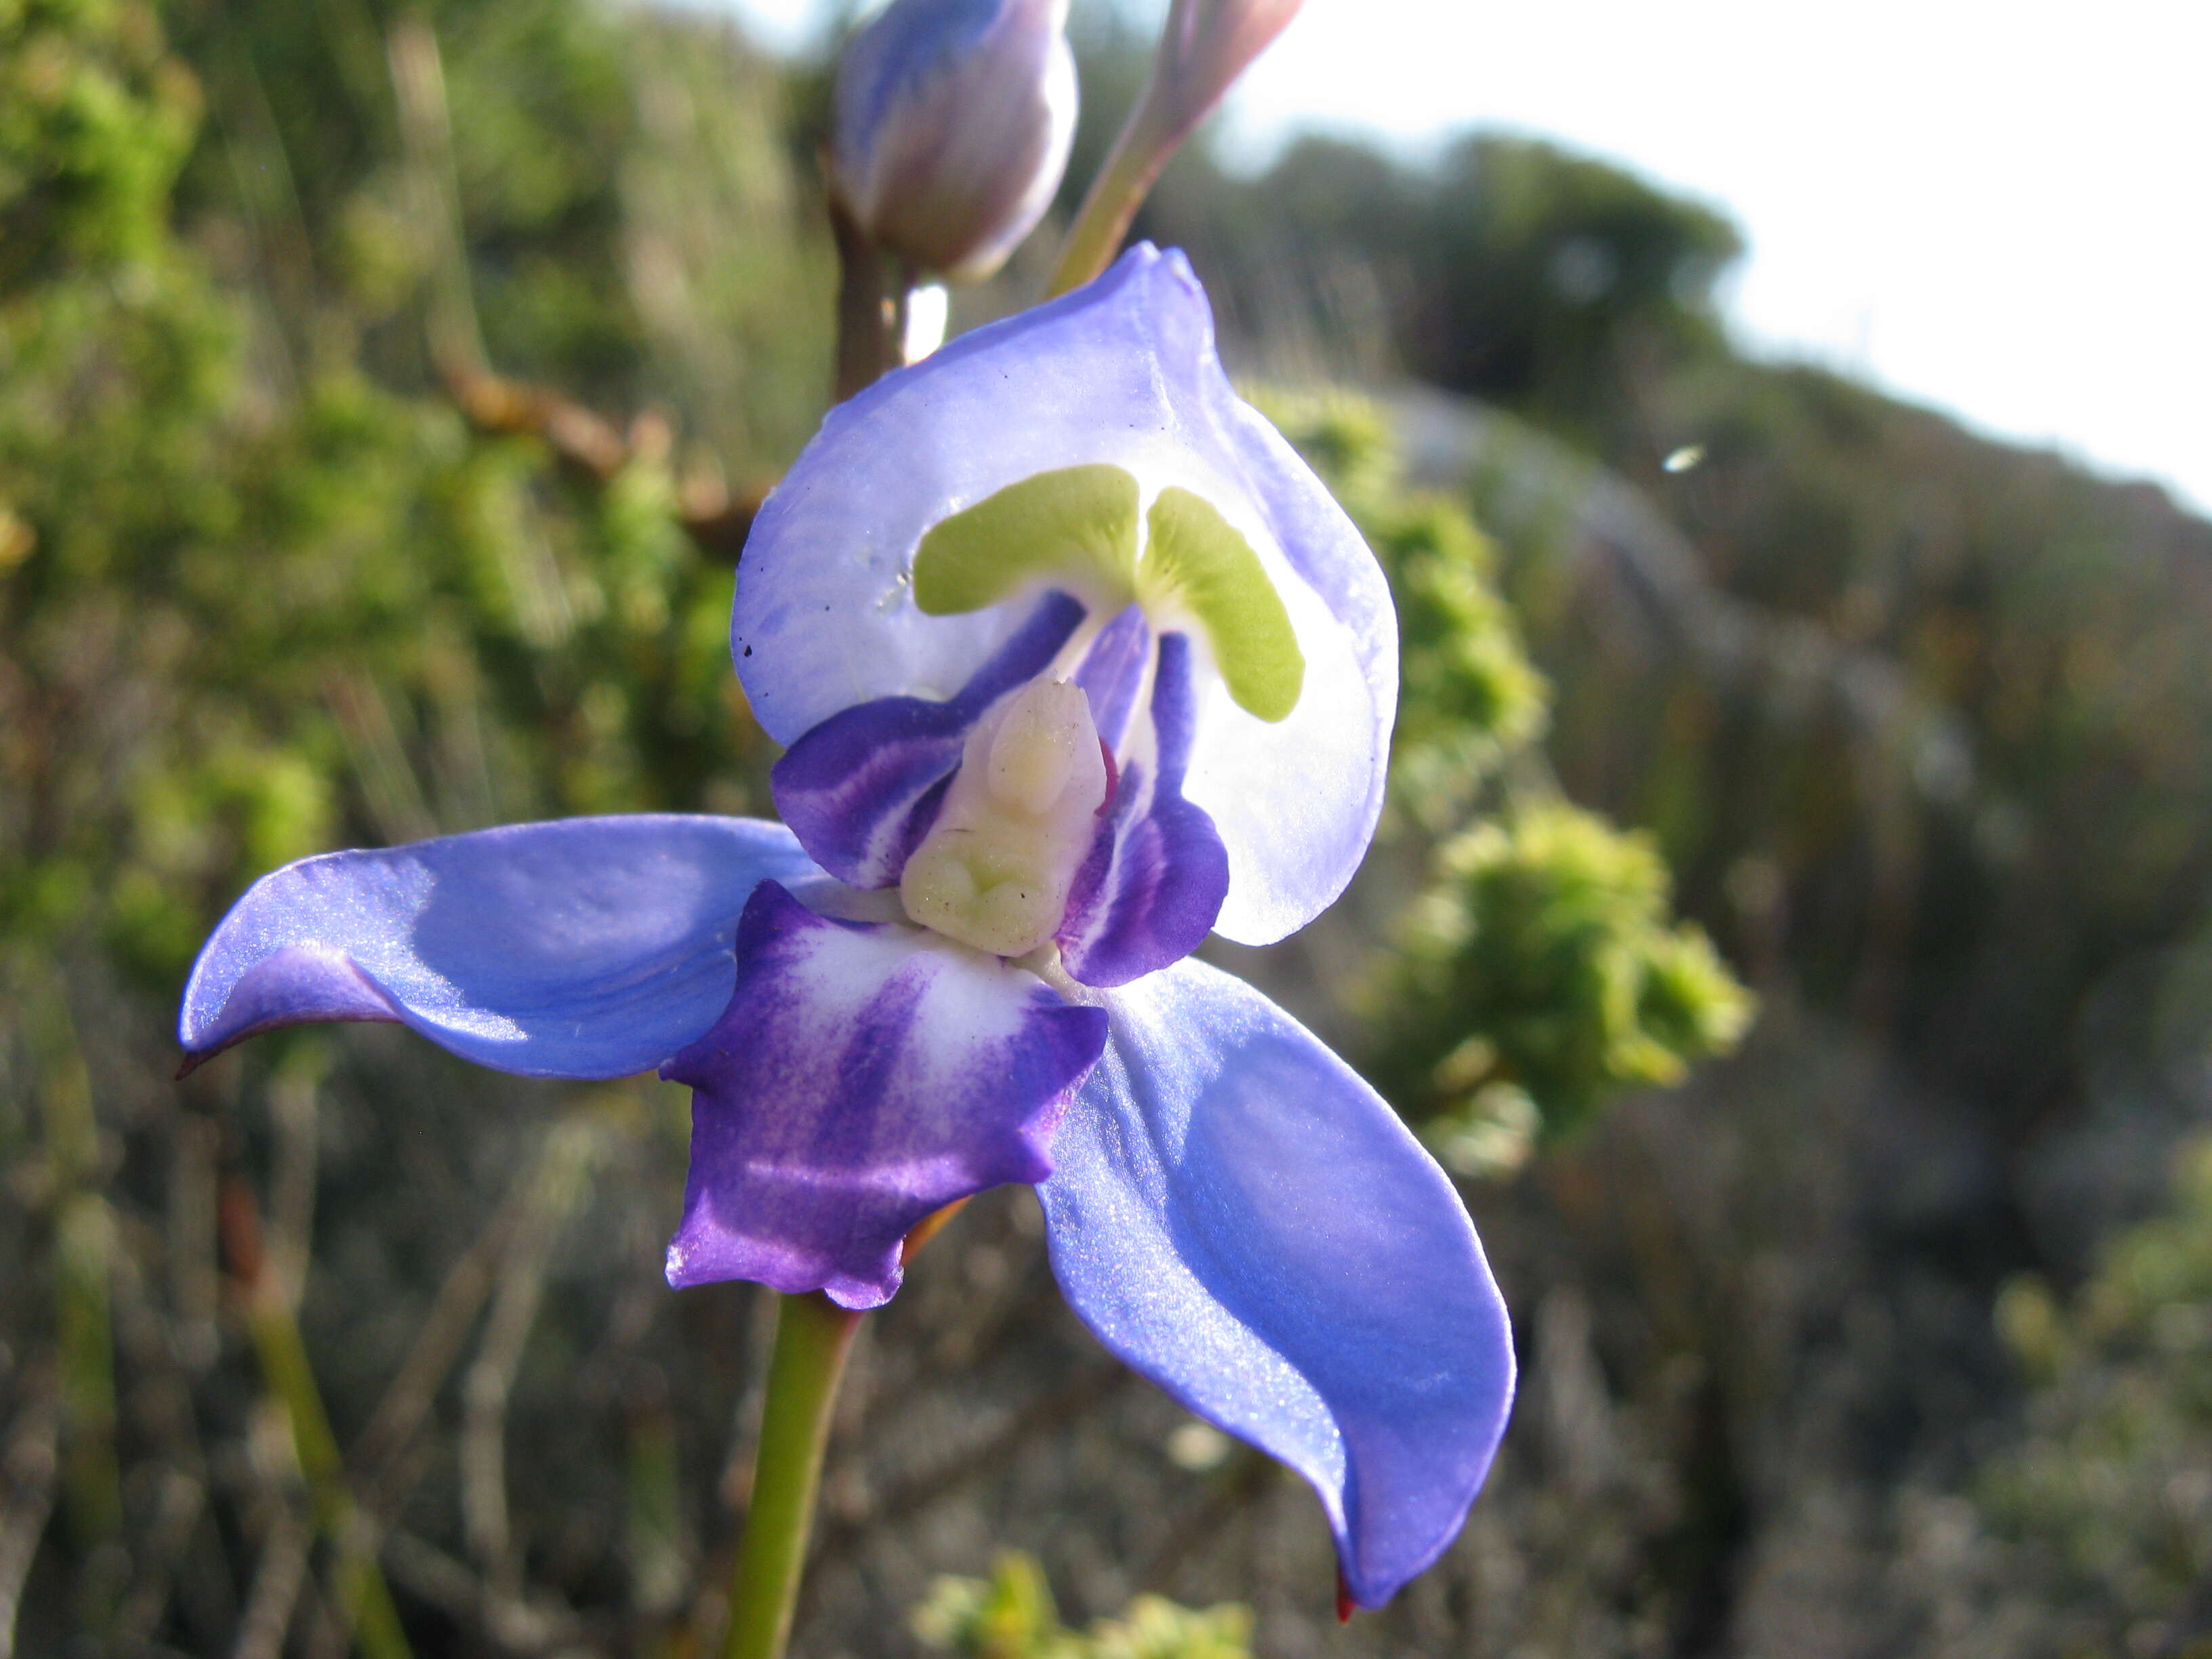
[382, 392]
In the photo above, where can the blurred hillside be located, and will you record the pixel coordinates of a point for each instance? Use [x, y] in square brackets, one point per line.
[382, 390]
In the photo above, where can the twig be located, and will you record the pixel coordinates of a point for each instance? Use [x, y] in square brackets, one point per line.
[443, 1582]
[294, 1100]
[362, 1596]
[558, 1185]
[904, 1499]
[592, 447]
[33, 1458]
[183, 1502]
[276, 1580]
[377, 1455]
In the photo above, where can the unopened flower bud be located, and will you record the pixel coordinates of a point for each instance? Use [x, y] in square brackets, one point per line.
[1205, 47]
[953, 122]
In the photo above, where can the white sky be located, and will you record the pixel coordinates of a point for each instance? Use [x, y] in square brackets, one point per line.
[2003, 210]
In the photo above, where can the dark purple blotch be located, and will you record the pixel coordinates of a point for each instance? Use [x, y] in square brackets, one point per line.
[1153, 882]
[861, 789]
[863, 1076]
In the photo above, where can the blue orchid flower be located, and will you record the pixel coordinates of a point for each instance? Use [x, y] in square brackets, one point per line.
[1077, 661]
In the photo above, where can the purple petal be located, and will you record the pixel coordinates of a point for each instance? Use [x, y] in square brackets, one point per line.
[588, 947]
[1113, 672]
[1241, 1218]
[861, 789]
[1121, 372]
[863, 1076]
[1149, 892]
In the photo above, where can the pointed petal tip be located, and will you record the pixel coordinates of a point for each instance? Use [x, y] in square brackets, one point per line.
[1345, 1603]
[696, 1257]
[580, 947]
[1216, 1217]
[190, 1063]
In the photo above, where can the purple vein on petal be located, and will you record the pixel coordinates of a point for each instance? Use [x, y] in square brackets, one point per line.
[1113, 672]
[1155, 878]
[861, 789]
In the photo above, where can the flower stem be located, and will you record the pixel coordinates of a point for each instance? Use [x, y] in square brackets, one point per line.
[1110, 205]
[813, 1335]
[363, 1597]
[870, 314]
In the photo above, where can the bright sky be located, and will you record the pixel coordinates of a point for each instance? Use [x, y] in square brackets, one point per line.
[2003, 210]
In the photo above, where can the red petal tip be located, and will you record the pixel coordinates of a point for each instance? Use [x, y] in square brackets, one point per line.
[1344, 1604]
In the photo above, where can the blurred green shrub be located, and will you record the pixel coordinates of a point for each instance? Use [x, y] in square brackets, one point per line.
[95, 121]
[1011, 1615]
[2102, 1515]
[262, 590]
[1540, 971]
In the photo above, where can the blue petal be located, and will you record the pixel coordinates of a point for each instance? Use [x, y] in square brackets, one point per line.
[1121, 372]
[863, 1076]
[588, 947]
[861, 789]
[1241, 1218]
[1149, 891]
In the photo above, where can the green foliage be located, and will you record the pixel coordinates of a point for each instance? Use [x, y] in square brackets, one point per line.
[2097, 1524]
[332, 613]
[95, 120]
[1561, 267]
[1507, 267]
[1537, 974]
[1011, 1615]
[1541, 972]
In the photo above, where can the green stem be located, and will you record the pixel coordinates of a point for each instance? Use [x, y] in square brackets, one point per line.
[289, 1375]
[813, 1335]
[1110, 205]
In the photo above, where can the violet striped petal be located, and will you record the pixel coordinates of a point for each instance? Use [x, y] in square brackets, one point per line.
[864, 1075]
[1113, 673]
[1241, 1218]
[585, 947]
[861, 789]
[1153, 882]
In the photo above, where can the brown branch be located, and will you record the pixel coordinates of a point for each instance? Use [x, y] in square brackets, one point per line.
[904, 1499]
[871, 306]
[587, 445]
[278, 1578]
